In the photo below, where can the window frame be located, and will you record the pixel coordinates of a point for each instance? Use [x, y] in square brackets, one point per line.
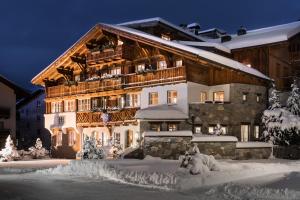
[152, 101]
[170, 98]
[215, 93]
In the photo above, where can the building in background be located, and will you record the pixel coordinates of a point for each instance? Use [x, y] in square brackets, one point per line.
[30, 120]
[9, 94]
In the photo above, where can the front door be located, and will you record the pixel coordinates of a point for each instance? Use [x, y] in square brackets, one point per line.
[129, 139]
[245, 133]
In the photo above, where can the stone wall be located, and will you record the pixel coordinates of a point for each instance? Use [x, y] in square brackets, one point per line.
[253, 153]
[166, 147]
[234, 113]
[220, 150]
[287, 152]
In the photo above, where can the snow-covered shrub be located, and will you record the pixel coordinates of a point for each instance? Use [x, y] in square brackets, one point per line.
[91, 149]
[9, 153]
[199, 163]
[38, 151]
[281, 125]
[293, 102]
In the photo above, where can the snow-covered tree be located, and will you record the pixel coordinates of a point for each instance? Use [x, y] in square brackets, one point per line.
[293, 102]
[91, 149]
[218, 130]
[274, 101]
[9, 153]
[38, 151]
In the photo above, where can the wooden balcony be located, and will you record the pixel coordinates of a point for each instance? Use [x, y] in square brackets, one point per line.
[84, 88]
[95, 118]
[108, 55]
[169, 75]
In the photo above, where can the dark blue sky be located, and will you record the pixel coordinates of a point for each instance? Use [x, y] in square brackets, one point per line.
[35, 32]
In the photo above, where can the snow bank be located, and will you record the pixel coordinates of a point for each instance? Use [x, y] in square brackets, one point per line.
[253, 145]
[168, 133]
[214, 138]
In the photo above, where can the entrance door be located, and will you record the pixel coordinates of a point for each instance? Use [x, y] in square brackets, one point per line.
[245, 133]
[129, 139]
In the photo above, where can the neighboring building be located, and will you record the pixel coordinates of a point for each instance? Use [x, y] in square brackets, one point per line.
[10, 93]
[30, 120]
[117, 82]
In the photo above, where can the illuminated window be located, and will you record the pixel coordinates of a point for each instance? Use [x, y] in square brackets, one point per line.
[59, 138]
[153, 98]
[245, 133]
[211, 129]
[248, 65]
[198, 130]
[71, 137]
[178, 63]
[219, 96]
[56, 107]
[83, 104]
[172, 97]
[172, 126]
[140, 67]
[203, 97]
[162, 64]
[165, 37]
[155, 126]
[69, 105]
[256, 132]
[244, 97]
[115, 71]
[258, 96]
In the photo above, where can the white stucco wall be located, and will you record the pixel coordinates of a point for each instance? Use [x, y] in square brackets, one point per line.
[194, 90]
[8, 100]
[182, 95]
[51, 121]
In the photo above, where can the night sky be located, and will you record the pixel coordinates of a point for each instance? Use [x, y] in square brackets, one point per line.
[35, 32]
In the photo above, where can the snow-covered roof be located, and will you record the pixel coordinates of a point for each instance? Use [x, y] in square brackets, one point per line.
[193, 25]
[168, 133]
[163, 21]
[205, 44]
[263, 36]
[161, 112]
[227, 62]
[253, 145]
[213, 138]
[212, 29]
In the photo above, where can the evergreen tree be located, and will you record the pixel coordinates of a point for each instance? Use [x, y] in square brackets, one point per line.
[293, 102]
[10, 152]
[274, 100]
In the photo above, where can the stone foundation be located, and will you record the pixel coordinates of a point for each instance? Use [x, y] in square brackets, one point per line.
[220, 150]
[166, 147]
[252, 153]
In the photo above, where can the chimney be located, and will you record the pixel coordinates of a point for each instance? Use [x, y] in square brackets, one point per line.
[225, 38]
[242, 31]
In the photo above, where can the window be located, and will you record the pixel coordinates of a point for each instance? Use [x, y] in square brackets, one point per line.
[172, 126]
[140, 67]
[117, 138]
[132, 100]
[155, 126]
[71, 137]
[244, 133]
[211, 129]
[244, 97]
[83, 104]
[178, 63]
[56, 107]
[165, 37]
[69, 105]
[198, 130]
[61, 120]
[203, 97]
[153, 98]
[77, 78]
[248, 65]
[219, 96]
[115, 71]
[172, 97]
[256, 131]
[258, 98]
[162, 64]
[59, 138]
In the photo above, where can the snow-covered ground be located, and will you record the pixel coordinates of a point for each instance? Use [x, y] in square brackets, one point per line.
[149, 179]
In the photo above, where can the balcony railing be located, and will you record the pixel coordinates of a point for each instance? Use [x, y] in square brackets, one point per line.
[121, 51]
[95, 118]
[174, 74]
[157, 77]
[84, 87]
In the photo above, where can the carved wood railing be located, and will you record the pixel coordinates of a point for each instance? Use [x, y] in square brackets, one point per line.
[84, 87]
[95, 118]
[121, 51]
[155, 77]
